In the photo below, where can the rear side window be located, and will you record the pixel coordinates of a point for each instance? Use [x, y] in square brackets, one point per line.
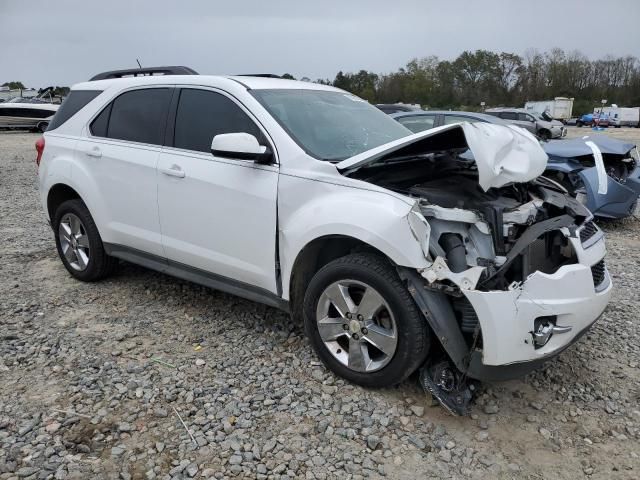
[508, 115]
[136, 116]
[203, 114]
[76, 100]
[418, 123]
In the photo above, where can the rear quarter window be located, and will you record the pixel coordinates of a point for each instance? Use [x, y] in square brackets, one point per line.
[74, 102]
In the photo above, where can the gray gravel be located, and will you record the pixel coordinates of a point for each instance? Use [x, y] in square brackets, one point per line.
[93, 377]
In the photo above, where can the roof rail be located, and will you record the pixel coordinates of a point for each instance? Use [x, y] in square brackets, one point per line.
[263, 75]
[139, 72]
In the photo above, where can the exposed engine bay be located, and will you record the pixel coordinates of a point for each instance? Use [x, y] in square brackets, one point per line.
[510, 231]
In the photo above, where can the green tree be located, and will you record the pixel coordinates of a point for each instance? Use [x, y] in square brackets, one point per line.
[14, 85]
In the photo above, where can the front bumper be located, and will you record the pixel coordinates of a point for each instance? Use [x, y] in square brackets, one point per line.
[621, 198]
[507, 317]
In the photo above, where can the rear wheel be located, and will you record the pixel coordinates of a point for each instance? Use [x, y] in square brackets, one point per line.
[362, 322]
[579, 123]
[79, 244]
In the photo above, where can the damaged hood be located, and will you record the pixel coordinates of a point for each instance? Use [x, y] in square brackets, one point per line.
[503, 154]
[578, 147]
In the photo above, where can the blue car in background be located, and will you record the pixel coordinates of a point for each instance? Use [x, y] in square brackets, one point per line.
[593, 120]
[571, 162]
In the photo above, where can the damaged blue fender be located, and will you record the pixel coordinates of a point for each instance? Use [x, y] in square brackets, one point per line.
[573, 160]
[619, 201]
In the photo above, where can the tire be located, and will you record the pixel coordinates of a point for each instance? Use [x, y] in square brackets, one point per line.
[88, 261]
[398, 314]
[579, 124]
[544, 135]
[42, 127]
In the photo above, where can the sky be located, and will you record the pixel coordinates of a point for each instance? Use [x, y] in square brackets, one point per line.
[62, 42]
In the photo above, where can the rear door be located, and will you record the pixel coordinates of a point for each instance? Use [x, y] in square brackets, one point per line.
[218, 215]
[526, 121]
[121, 150]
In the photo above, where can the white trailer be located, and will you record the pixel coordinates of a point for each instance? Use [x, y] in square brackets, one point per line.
[560, 108]
[622, 116]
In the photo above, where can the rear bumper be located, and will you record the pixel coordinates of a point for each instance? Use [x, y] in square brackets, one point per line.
[569, 295]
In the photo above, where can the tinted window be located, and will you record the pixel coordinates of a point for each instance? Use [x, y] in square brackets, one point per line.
[418, 123]
[72, 105]
[140, 116]
[449, 119]
[99, 125]
[508, 115]
[202, 115]
[523, 117]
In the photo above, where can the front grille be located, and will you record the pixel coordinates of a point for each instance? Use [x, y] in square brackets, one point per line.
[588, 231]
[597, 271]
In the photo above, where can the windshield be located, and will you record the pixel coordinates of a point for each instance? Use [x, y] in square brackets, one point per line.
[330, 126]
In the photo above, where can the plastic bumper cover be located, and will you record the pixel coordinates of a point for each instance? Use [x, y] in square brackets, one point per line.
[507, 317]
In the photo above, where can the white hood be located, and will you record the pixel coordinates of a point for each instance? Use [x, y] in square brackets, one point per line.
[503, 154]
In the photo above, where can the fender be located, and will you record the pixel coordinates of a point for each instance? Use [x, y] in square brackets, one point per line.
[67, 172]
[310, 209]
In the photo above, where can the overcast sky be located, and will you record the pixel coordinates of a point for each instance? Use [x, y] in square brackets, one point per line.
[61, 42]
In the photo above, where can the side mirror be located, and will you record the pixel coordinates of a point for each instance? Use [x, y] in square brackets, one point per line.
[240, 146]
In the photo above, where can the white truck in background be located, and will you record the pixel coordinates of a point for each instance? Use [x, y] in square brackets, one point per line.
[621, 116]
[560, 108]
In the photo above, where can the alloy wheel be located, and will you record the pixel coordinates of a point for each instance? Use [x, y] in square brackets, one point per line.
[356, 325]
[74, 242]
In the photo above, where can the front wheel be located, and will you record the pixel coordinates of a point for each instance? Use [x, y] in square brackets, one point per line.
[544, 135]
[363, 323]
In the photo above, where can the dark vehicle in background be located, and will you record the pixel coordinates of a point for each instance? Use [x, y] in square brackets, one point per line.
[543, 128]
[390, 108]
[571, 163]
[420, 120]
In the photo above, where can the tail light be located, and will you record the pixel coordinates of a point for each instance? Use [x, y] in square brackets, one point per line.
[39, 149]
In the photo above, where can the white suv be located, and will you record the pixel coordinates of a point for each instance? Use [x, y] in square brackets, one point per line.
[394, 248]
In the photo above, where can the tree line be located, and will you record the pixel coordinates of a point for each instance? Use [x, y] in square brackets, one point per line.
[501, 79]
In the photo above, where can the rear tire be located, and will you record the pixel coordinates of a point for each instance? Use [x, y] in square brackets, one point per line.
[354, 331]
[579, 124]
[79, 244]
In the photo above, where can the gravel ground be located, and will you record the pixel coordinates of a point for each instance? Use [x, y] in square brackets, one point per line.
[94, 376]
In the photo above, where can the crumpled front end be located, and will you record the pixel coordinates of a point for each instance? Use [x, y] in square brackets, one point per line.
[539, 317]
[524, 280]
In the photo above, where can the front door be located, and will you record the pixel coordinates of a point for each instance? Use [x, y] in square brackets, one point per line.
[217, 215]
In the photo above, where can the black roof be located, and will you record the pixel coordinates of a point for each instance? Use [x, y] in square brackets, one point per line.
[139, 72]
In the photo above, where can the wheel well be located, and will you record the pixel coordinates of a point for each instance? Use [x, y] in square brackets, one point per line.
[57, 194]
[313, 257]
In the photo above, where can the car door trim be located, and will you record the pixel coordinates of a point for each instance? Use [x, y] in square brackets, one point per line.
[196, 275]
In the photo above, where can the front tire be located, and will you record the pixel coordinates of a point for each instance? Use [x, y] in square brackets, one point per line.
[363, 323]
[79, 244]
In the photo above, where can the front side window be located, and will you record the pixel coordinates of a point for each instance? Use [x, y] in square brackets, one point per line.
[136, 116]
[509, 115]
[330, 125]
[418, 123]
[203, 114]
